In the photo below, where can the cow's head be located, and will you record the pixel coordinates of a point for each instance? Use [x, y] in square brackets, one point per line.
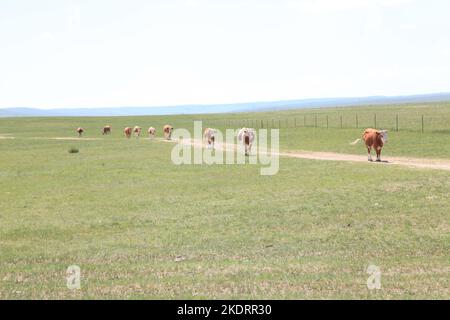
[242, 133]
[384, 135]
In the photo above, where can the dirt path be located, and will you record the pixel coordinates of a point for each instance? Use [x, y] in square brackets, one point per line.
[403, 161]
[438, 164]
[333, 156]
[6, 136]
[66, 138]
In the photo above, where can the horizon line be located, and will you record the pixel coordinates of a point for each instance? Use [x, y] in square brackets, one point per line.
[233, 103]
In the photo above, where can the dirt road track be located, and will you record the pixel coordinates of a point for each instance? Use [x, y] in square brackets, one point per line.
[423, 163]
[332, 156]
[403, 161]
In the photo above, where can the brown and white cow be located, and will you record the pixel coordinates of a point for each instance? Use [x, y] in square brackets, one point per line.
[106, 130]
[80, 131]
[247, 136]
[137, 131]
[151, 132]
[209, 135]
[167, 131]
[375, 139]
[127, 132]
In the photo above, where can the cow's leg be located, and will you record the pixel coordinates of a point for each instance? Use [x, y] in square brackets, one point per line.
[378, 149]
[369, 149]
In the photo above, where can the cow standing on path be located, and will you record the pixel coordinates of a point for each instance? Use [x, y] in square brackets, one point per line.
[127, 132]
[137, 131]
[247, 135]
[167, 131]
[80, 132]
[106, 130]
[375, 139]
[151, 132]
[210, 136]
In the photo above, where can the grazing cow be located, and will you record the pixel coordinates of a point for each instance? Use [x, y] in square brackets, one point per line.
[210, 136]
[375, 139]
[137, 131]
[127, 132]
[80, 131]
[247, 135]
[167, 131]
[151, 132]
[106, 130]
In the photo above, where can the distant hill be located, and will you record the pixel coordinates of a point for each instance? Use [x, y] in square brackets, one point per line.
[224, 108]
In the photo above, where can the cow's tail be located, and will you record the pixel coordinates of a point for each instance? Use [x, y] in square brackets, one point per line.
[355, 142]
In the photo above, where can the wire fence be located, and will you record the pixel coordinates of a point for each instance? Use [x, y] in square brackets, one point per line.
[396, 122]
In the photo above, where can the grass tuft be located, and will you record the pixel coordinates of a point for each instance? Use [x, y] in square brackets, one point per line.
[73, 150]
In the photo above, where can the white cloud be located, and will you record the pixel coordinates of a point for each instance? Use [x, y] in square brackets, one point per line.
[318, 6]
[47, 36]
[192, 3]
[445, 51]
[73, 16]
[408, 27]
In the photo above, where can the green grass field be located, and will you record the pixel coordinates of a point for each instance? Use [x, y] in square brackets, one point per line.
[140, 227]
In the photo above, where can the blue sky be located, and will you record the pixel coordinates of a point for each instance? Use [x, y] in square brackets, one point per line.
[109, 53]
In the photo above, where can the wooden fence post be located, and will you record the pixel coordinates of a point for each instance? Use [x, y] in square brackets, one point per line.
[341, 121]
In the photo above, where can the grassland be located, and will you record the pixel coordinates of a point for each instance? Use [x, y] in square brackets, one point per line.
[140, 227]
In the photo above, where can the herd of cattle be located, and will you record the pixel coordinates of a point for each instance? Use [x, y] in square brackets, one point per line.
[128, 131]
[373, 138]
[246, 135]
[167, 130]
